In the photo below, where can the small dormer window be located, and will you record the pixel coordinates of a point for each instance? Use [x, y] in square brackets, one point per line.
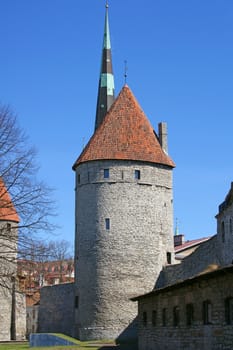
[106, 173]
[137, 174]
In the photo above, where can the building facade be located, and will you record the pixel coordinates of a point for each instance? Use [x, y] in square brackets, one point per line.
[196, 314]
[192, 307]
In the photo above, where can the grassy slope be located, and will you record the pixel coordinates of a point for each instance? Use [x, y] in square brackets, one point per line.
[25, 346]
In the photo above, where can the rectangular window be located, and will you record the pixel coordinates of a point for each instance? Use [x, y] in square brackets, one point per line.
[107, 224]
[176, 316]
[207, 312]
[144, 319]
[106, 173]
[189, 314]
[154, 318]
[79, 178]
[229, 310]
[137, 174]
[164, 317]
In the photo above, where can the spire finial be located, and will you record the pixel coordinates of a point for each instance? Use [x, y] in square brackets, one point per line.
[176, 228]
[106, 81]
[125, 73]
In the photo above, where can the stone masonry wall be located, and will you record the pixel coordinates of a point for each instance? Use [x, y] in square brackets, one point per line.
[216, 335]
[124, 260]
[56, 312]
[12, 303]
[5, 319]
[202, 258]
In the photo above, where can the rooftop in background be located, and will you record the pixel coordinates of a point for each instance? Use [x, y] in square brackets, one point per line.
[184, 248]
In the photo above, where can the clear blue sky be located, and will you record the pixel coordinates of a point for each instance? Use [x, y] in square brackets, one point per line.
[180, 68]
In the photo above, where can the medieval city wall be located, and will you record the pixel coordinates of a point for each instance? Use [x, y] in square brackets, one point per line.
[56, 312]
[123, 260]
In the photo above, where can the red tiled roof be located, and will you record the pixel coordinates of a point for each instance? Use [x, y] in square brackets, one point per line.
[7, 209]
[125, 134]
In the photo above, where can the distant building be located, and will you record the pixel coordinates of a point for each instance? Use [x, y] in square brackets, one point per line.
[34, 275]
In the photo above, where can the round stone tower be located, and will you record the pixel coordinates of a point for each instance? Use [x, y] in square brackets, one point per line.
[124, 219]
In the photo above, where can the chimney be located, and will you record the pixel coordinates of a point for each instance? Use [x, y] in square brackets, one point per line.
[163, 136]
[178, 240]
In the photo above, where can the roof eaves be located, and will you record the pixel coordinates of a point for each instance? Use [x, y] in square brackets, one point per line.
[188, 281]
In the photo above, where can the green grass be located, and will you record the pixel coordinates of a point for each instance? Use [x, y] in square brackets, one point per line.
[93, 345]
[25, 346]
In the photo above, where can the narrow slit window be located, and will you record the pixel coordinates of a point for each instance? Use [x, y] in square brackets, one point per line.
[107, 224]
[189, 314]
[154, 318]
[169, 258]
[144, 318]
[207, 312]
[176, 316]
[229, 310]
[106, 173]
[164, 317]
[223, 231]
[76, 302]
[79, 178]
[137, 174]
[8, 228]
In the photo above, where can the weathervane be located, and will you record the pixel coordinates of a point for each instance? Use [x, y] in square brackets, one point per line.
[106, 5]
[126, 69]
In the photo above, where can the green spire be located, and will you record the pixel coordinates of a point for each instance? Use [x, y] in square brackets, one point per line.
[106, 80]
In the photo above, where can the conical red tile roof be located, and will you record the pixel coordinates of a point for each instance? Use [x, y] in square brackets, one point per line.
[125, 134]
[7, 209]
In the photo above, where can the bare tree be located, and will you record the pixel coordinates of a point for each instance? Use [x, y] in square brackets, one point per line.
[37, 263]
[29, 197]
[61, 252]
